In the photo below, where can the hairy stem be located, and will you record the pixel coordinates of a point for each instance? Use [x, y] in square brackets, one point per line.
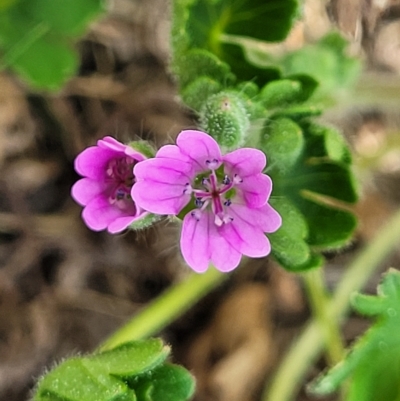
[308, 346]
[166, 308]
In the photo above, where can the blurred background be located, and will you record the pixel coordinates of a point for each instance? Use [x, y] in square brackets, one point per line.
[63, 288]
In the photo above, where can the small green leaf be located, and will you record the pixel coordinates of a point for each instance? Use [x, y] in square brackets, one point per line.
[308, 85]
[168, 383]
[197, 92]
[196, 63]
[132, 358]
[325, 141]
[329, 227]
[373, 362]
[280, 93]
[288, 243]
[144, 222]
[75, 380]
[133, 371]
[282, 140]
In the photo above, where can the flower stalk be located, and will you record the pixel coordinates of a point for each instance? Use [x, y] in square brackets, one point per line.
[318, 298]
[166, 308]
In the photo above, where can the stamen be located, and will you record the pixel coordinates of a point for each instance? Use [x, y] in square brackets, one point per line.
[119, 194]
[198, 202]
[196, 214]
[188, 189]
[212, 164]
[218, 221]
[228, 202]
[226, 180]
[237, 179]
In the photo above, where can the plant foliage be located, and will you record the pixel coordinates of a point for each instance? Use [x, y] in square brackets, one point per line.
[373, 362]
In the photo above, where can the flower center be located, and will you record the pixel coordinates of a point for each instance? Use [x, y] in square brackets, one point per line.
[120, 179]
[214, 192]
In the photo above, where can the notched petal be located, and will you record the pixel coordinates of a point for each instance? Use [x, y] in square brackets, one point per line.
[92, 162]
[256, 189]
[201, 148]
[245, 162]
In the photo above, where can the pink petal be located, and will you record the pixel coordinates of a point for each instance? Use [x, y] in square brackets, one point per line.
[195, 242]
[84, 190]
[121, 223]
[160, 198]
[273, 219]
[244, 162]
[265, 218]
[92, 162]
[171, 152]
[256, 189]
[161, 184]
[98, 214]
[201, 243]
[108, 142]
[246, 238]
[111, 143]
[224, 257]
[166, 171]
[200, 148]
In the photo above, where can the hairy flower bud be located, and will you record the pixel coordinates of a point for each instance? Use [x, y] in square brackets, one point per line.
[225, 117]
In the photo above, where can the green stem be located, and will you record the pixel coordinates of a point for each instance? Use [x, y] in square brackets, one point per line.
[306, 349]
[167, 307]
[318, 299]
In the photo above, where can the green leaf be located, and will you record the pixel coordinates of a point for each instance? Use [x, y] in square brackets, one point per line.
[197, 63]
[244, 69]
[325, 141]
[329, 227]
[130, 372]
[304, 172]
[36, 37]
[75, 380]
[327, 62]
[282, 140]
[6, 3]
[132, 358]
[280, 93]
[68, 17]
[34, 66]
[373, 362]
[324, 177]
[210, 19]
[197, 92]
[288, 243]
[212, 25]
[168, 383]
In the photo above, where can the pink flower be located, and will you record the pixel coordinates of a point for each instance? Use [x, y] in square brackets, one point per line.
[105, 190]
[224, 199]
